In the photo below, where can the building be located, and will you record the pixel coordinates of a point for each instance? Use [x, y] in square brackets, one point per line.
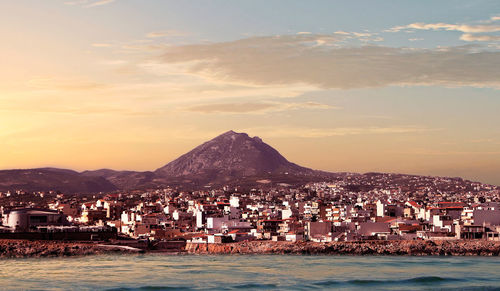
[28, 219]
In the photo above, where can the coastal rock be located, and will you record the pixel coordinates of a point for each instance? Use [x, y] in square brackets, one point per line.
[413, 248]
[26, 248]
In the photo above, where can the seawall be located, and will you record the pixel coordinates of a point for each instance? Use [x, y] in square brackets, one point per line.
[42, 248]
[413, 248]
[28, 248]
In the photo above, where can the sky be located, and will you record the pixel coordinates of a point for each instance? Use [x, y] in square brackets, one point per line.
[357, 86]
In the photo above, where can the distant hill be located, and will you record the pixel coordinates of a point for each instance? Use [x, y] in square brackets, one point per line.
[124, 179]
[45, 179]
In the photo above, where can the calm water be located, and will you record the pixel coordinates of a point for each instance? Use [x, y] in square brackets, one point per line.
[165, 272]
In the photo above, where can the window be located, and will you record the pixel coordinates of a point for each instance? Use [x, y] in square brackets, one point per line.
[38, 219]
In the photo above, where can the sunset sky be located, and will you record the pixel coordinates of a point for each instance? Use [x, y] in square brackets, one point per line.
[359, 86]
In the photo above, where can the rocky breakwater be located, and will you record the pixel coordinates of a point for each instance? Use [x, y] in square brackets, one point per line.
[414, 248]
[27, 248]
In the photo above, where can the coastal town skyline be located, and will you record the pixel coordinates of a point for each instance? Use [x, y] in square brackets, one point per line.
[131, 86]
[249, 144]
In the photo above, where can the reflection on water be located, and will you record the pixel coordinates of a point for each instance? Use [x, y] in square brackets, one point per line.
[164, 272]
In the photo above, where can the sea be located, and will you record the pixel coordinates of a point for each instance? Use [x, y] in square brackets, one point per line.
[250, 272]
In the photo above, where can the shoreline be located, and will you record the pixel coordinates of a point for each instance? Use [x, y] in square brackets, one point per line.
[391, 248]
[39, 249]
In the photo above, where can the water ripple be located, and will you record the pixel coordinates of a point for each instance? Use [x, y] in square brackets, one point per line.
[157, 272]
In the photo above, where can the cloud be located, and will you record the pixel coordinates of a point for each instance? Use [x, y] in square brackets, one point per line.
[362, 34]
[78, 110]
[100, 3]
[303, 132]
[480, 28]
[255, 107]
[469, 30]
[363, 37]
[427, 152]
[101, 45]
[171, 32]
[50, 83]
[298, 59]
[89, 3]
[76, 2]
[476, 37]
[231, 107]
[114, 62]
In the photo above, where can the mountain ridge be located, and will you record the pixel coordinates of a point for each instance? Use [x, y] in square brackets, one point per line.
[231, 158]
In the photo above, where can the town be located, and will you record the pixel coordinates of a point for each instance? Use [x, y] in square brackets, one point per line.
[353, 208]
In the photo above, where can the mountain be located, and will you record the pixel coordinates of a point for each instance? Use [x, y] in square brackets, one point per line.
[229, 154]
[45, 179]
[229, 159]
[233, 157]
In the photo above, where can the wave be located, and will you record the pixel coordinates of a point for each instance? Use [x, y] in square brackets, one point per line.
[362, 282]
[416, 280]
[254, 286]
[152, 288]
[327, 283]
[432, 279]
[470, 288]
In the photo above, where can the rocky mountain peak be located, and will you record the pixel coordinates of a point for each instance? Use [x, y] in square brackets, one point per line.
[230, 155]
